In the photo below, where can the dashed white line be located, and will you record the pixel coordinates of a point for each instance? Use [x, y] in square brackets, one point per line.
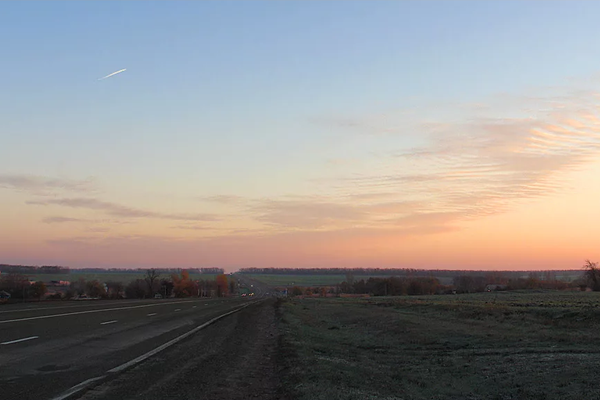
[56, 308]
[194, 306]
[108, 322]
[20, 340]
[177, 309]
[90, 312]
[152, 314]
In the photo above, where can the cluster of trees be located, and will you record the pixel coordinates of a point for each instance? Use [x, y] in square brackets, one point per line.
[19, 286]
[462, 283]
[393, 286]
[472, 284]
[177, 285]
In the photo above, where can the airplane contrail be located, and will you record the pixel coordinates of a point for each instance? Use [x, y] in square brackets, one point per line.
[114, 73]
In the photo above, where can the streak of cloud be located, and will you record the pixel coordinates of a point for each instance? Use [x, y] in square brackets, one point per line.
[60, 220]
[481, 163]
[114, 73]
[41, 185]
[121, 211]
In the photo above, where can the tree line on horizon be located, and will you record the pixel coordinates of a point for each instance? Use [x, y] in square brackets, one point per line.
[54, 269]
[427, 285]
[401, 272]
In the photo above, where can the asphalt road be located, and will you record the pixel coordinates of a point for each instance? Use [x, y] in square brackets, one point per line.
[234, 359]
[47, 348]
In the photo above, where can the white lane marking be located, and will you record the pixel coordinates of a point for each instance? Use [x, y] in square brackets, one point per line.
[108, 322]
[92, 304]
[152, 314]
[20, 340]
[177, 309]
[91, 311]
[194, 306]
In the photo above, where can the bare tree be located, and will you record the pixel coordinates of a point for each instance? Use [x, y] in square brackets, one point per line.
[151, 278]
[115, 289]
[592, 274]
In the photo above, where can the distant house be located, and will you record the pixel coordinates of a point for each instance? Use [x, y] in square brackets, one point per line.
[491, 288]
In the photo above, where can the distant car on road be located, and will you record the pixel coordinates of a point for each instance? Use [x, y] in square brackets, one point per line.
[4, 296]
[158, 296]
[85, 297]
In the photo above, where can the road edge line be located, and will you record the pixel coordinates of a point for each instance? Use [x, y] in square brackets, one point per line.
[79, 387]
[89, 383]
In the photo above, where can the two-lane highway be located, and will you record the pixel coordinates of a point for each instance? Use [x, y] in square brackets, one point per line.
[47, 348]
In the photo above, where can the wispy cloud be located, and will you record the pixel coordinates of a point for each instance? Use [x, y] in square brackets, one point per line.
[470, 166]
[482, 165]
[41, 185]
[60, 220]
[121, 211]
[305, 214]
[192, 227]
[223, 199]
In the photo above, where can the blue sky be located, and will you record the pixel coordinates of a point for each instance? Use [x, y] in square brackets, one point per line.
[263, 99]
[238, 69]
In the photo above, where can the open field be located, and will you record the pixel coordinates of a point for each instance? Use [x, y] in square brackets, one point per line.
[316, 279]
[335, 279]
[505, 345]
[297, 280]
[124, 277]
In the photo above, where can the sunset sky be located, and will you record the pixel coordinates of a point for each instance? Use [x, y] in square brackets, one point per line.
[459, 135]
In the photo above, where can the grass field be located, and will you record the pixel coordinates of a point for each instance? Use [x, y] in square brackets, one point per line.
[313, 280]
[504, 345]
[124, 277]
[329, 280]
[299, 280]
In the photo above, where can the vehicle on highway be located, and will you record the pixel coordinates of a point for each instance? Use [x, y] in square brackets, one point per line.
[158, 296]
[84, 297]
[4, 296]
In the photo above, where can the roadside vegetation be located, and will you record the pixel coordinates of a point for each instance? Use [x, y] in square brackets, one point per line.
[503, 345]
[151, 283]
